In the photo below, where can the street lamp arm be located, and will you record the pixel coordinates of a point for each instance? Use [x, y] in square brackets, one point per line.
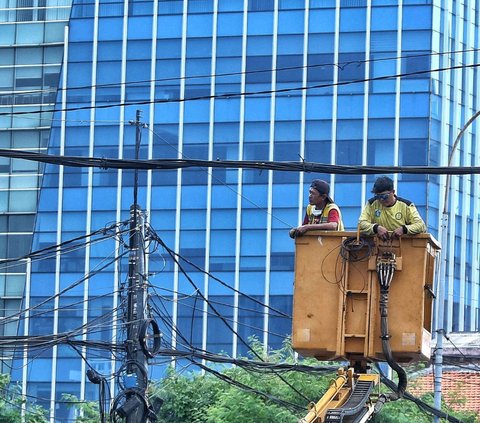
[440, 330]
[450, 159]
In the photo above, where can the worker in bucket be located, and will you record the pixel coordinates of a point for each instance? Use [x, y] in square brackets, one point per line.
[322, 213]
[389, 216]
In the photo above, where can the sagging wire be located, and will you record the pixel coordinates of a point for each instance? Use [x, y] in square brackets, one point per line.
[356, 249]
[283, 166]
[459, 350]
[421, 404]
[68, 288]
[190, 357]
[97, 379]
[218, 314]
[245, 94]
[185, 296]
[52, 250]
[352, 250]
[64, 308]
[220, 181]
[257, 366]
[313, 66]
[168, 321]
[151, 232]
[196, 308]
[286, 404]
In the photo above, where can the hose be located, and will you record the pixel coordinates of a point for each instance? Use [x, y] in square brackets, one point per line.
[386, 266]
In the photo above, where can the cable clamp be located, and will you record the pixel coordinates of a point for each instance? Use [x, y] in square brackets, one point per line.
[103, 163]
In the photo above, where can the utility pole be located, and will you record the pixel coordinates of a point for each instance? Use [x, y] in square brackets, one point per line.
[439, 326]
[131, 402]
[136, 305]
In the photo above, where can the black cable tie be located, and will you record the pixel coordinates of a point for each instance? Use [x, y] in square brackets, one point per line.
[103, 163]
[303, 163]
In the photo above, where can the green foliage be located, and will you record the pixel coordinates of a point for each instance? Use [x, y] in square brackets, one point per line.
[11, 402]
[88, 410]
[185, 398]
[200, 398]
[204, 398]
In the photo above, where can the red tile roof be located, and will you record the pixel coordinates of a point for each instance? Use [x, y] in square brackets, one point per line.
[460, 389]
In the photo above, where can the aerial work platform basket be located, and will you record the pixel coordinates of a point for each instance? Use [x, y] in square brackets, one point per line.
[336, 296]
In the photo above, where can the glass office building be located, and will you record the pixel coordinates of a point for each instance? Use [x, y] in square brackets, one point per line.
[31, 50]
[346, 82]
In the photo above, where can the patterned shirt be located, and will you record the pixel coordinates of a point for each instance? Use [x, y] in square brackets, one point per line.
[330, 213]
[402, 213]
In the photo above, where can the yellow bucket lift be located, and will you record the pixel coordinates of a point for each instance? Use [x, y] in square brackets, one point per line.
[348, 396]
[362, 300]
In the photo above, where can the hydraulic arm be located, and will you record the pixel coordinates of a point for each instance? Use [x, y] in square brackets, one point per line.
[346, 400]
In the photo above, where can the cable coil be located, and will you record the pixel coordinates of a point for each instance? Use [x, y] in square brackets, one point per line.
[144, 337]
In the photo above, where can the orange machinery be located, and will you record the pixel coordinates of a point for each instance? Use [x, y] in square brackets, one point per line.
[336, 296]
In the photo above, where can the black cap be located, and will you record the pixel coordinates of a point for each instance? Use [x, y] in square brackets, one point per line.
[322, 187]
[383, 183]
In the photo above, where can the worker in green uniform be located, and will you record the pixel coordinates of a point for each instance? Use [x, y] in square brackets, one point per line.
[389, 216]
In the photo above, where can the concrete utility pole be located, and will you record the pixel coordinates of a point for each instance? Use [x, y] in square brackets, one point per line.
[136, 306]
[439, 329]
[137, 298]
[131, 403]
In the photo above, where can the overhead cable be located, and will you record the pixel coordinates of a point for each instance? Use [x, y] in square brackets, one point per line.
[230, 95]
[284, 166]
[340, 65]
[422, 404]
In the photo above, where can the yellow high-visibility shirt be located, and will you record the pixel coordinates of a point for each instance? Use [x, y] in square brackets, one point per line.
[402, 213]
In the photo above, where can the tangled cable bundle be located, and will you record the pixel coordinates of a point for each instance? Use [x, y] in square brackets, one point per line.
[354, 249]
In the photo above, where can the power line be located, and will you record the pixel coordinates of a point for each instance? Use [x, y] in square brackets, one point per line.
[155, 236]
[199, 309]
[242, 94]
[209, 172]
[66, 289]
[227, 324]
[168, 321]
[287, 404]
[468, 359]
[243, 386]
[64, 308]
[260, 366]
[340, 65]
[52, 250]
[422, 404]
[284, 166]
[221, 303]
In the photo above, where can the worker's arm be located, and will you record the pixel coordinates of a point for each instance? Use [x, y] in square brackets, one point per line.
[331, 225]
[365, 221]
[415, 224]
[328, 226]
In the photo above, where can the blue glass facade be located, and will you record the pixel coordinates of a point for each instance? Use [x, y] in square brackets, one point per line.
[337, 82]
[31, 48]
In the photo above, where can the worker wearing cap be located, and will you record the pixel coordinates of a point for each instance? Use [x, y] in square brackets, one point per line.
[386, 212]
[322, 213]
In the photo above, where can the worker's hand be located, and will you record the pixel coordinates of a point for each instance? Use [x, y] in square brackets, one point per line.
[397, 233]
[382, 233]
[298, 231]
